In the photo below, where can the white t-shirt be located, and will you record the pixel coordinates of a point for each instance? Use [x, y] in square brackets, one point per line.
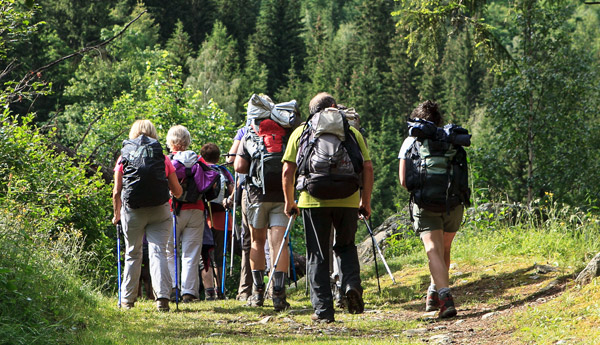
[405, 147]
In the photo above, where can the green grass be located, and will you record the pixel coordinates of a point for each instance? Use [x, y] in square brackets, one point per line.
[494, 269]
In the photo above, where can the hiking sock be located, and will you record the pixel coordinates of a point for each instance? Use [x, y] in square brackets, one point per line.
[258, 277]
[444, 291]
[432, 288]
[279, 280]
[279, 297]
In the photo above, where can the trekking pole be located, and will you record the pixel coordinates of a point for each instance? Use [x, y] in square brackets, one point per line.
[224, 269]
[285, 235]
[379, 250]
[235, 178]
[292, 262]
[119, 231]
[175, 259]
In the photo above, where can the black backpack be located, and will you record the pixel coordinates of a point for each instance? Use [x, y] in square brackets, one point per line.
[437, 173]
[219, 189]
[266, 140]
[144, 179]
[329, 158]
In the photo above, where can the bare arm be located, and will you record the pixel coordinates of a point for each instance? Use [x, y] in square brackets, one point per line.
[174, 185]
[288, 180]
[116, 196]
[402, 172]
[365, 196]
[240, 164]
[233, 151]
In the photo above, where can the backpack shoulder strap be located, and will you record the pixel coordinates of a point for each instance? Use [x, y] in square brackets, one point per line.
[353, 148]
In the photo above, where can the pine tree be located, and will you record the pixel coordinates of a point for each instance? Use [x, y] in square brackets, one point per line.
[277, 40]
[255, 76]
[180, 48]
[462, 76]
[215, 72]
[239, 17]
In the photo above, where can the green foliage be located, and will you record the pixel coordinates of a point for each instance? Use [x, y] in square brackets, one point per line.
[53, 213]
[277, 41]
[515, 141]
[403, 243]
[215, 72]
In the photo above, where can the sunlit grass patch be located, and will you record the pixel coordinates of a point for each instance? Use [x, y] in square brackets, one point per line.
[573, 317]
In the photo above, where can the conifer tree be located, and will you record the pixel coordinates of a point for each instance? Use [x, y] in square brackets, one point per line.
[180, 48]
[255, 76]
[277, 40]
[215, 72]
[462, 76]
[239, 17]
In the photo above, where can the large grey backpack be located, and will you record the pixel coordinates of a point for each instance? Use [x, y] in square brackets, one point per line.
[329, 158]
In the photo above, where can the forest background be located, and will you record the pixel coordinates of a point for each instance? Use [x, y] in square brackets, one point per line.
[521, 75]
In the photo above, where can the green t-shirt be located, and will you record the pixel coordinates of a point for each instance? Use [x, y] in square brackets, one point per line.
[308, 201]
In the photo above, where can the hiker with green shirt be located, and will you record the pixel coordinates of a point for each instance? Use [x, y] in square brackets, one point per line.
[438, 194]
[335, 179]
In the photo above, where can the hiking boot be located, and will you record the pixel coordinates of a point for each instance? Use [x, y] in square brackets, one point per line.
[279, 301]
[354, 301]
[258, 289]
[188, 298]
[447, 308]
[243, 297]
[210, 295]
[127, 305]
[258, 297]
[432, 302]
[162, 304]
[318, 319]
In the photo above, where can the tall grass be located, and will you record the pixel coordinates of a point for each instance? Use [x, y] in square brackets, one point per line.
[43, 299]
[557, 234]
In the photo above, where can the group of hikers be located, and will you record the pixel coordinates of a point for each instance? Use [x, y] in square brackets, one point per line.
[174, 201]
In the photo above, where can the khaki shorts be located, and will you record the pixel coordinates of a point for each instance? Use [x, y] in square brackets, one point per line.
[425, 221]
[266, 214]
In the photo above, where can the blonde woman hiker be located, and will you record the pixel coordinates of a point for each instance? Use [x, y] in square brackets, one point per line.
[143, 177]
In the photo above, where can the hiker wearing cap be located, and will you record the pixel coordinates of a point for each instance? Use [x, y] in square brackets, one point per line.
[142, 181]
[189, 213]
[438, 193]
[259, 155]
[335, 186]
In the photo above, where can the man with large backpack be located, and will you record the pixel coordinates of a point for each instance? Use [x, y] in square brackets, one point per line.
[143, 178]
[335, 180]
[433, 168]
[259, 155]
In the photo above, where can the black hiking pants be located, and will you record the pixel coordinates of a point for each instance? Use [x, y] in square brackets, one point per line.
[317, 227]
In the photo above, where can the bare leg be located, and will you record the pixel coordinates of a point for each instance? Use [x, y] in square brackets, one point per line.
[275, 238]
[433, 242]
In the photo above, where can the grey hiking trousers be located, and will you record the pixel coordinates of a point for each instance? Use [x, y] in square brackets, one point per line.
[156, 223]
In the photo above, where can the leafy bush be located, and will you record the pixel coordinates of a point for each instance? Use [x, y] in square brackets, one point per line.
[54, 211]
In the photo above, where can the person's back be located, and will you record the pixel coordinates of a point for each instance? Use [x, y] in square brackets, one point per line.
[437, 204]
[259, 155]
[217, 214]
[324, 207]
[189, 212]
[140, 196]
